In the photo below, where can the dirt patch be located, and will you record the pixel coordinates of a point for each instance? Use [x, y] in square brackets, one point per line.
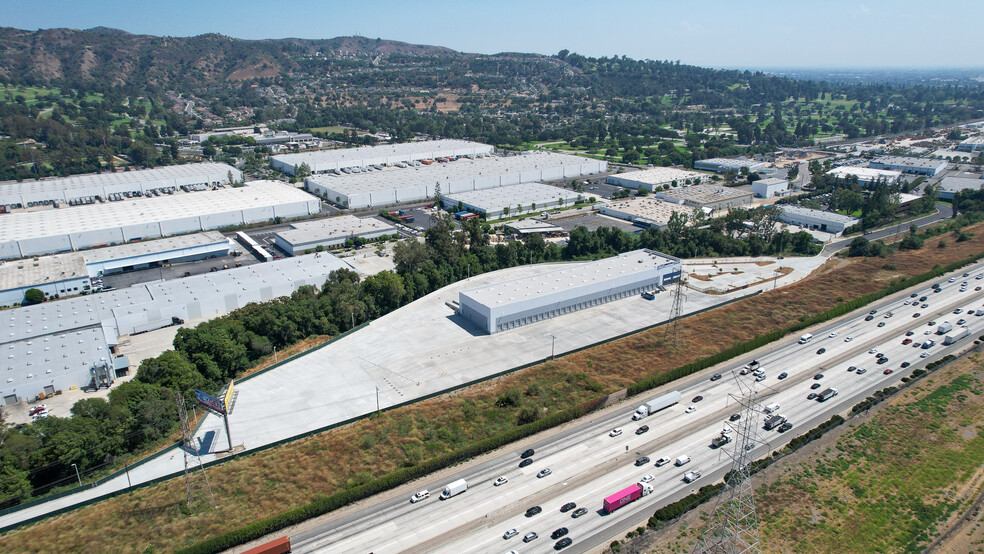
[270, 482]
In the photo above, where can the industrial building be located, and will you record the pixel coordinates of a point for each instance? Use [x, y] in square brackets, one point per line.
[527, 300]
[720, 165]
[64, 274]
[62, 343]
[866, 175]
[530, 226]
[909, 164]
[413, 184]
[324, 161]
[333, 231]
[62, 190]
[511, 200]
[767, 188]
[654, 178]
[645, 212]
[48, 231]
[951, 185]
[707, 197]
[827, 222]
[972, 144]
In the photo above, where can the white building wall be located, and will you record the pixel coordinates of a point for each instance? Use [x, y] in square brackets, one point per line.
[181, 226]
[141, 231]
[45, 245]
[97, 237]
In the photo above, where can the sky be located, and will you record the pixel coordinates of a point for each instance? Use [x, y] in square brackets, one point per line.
[754, 34]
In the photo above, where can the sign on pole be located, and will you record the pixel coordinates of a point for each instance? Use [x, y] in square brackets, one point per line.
[228, 397]
[210, 402]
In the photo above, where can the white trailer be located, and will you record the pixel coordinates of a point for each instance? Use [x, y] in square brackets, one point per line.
[656, 405]
[956, 335]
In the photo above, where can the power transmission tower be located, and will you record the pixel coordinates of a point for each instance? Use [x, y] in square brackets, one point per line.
[196, 481]
[733, 526]
[678, 299]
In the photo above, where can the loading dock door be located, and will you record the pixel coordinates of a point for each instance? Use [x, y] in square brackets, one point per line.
[49, 390]
[10, 399]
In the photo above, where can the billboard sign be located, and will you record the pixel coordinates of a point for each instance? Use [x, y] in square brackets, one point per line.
[210, 402]
[228, 397]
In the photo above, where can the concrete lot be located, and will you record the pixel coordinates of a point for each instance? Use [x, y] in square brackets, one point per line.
[593, 220]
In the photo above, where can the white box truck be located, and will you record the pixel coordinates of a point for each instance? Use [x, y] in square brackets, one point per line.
[656, 405]
[682, 460]
[454, 488]
[944, 328]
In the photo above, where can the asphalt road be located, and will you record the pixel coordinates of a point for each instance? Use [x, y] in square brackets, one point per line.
[587, 464]
[945, 212]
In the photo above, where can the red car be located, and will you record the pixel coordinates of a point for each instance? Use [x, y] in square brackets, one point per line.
[907, 341]
[37, 409]
[888, 371]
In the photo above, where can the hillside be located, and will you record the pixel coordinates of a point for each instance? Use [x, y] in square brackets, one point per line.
[112, 57]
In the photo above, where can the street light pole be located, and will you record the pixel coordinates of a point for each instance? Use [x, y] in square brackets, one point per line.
[77, 474]
[553, 341]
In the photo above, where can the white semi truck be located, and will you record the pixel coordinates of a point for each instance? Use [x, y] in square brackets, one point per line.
[653, 406]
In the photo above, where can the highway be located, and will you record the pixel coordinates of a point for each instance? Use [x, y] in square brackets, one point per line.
[588, 465]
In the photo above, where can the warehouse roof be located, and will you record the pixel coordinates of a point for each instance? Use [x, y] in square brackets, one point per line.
[119, 177]
[354, 156]
[909, 161]
[973, 140]
[658, 175]
[954, 184]
[41, 271]
[333, 227]
[257, 194]
[705, 194]
[820, 214]
[142, 248]
[865, 173]
[45, 357]
[427, 175]
[735, 163]
[772, 181]
[569, 277]
[526, 193]
[652, 209]
[526, 226]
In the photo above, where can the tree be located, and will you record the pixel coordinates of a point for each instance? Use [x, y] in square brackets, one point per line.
[437, 194]
[303, 170]
[208, 150]
[33, 296]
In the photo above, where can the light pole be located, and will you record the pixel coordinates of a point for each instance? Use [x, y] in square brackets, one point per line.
[553, 341]
[77, 474]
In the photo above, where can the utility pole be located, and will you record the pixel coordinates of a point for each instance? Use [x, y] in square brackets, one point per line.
[678, 299]
[377, 400]
[196, 482]
[77, 474]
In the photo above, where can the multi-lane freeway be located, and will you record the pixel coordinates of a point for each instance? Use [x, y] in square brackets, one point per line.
[588, 464]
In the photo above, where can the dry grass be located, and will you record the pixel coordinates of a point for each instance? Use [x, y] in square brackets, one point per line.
[270, 482]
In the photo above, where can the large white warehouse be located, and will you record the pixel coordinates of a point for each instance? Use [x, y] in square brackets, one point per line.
[512, 200]
[63, 189]
[655, 178]
[333, 231]
[527, 300]
[412, 184]
[323, 161]
[48, 231]
[59, 344]
[646, 212]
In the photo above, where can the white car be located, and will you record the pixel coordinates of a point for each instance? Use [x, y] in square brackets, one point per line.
[907, 302]
[834, 334]
[873, 351]
[646, 478]
[848, 339]
[418, 496]
[924, 355]
[500, 481]
[615, 432]
[510, 533]
[758, 378]
[692, 409]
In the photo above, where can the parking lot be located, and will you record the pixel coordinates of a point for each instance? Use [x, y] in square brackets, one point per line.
[178, 270]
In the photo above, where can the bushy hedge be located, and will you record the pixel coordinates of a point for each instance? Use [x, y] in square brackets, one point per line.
[682, 506]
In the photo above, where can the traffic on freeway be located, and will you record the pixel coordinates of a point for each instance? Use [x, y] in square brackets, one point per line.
[554, 498]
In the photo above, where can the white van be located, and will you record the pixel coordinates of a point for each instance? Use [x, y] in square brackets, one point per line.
[682, 460]
[806, 338]
[771, 408]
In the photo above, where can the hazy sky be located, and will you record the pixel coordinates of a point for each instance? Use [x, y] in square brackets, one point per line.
[714, 33]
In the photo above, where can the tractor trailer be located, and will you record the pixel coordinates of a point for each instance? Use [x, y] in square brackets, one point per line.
[956, 335]
[626, 495]
[651, 407]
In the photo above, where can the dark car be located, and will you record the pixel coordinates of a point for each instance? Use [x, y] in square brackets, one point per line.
[818, 376]
[783, 375]
[888, 371]
[715, 377]
[559, 533]
[526, 462]
[815, 386]
[697, 398]
[852, 368]
[905, 365]
[527, 453]
[533, 511]
[642, 429]
[642, 461]
[811, 396]
[913, 295]
[734, 417]
[881, 324]
[563, 543]
[917, 314]
[579, 512]
[882, 360]
[910, 333]
[821, 351]
[923, 298]
[869, 318]
[567, 507]
[785, 427]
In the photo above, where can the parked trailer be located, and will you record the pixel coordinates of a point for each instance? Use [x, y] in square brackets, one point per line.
[276, 546]
[656, 405]
[956, 335]
[626, 495]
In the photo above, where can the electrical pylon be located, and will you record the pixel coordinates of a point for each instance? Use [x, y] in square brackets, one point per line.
[196, 481]
[733, 526]
[675, 311]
